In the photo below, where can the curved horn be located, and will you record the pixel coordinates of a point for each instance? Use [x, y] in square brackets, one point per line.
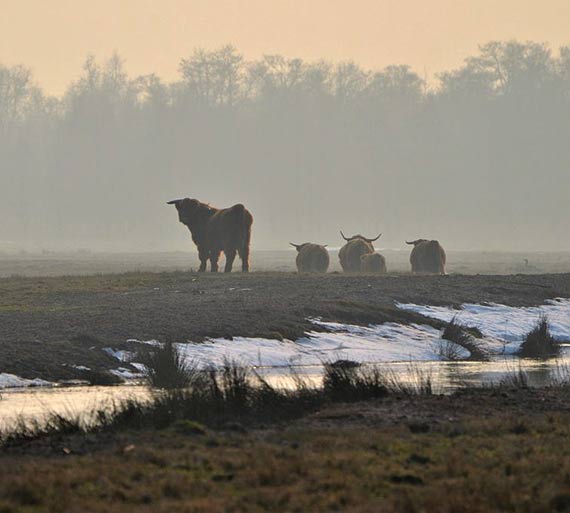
[173, 202]
[296, 246]
[374, 240]
[342, 234]
[412, 243]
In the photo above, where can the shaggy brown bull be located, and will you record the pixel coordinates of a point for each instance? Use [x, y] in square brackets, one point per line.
[215, 230]
[427, 257]
[373, 263]
[356, 246]
[311, 258]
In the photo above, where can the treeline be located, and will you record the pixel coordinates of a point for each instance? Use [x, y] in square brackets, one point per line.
[480, 159]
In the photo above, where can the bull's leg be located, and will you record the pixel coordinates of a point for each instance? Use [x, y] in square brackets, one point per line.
[203, 256]
[230, 257]
[244, 255]
[214, 257]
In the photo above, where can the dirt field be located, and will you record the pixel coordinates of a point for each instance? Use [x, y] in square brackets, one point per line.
[49, 324]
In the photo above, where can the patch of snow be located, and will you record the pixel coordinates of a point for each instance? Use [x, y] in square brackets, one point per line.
[122, 356]
[13, 381]
[81, 367]
[147, 342]
[379, 343]
[126, 373]
[504, 327]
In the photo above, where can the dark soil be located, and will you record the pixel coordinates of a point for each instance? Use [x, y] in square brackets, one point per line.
[48, 324]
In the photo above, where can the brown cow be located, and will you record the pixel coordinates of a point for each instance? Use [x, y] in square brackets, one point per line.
[311, 258]
[356, 246]
[427, 257]
[373, 263]
[215, 230]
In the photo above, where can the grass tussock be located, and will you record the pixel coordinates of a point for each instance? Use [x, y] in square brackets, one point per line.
[166, 367]
[462, 336]
[345, 382]
[419, 381]
[53, 425]
[539, 342]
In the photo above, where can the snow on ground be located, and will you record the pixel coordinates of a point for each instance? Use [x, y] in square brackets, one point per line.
[121, 372]
[379, 343]
[122, 356]
[13, 381]
[504, 327]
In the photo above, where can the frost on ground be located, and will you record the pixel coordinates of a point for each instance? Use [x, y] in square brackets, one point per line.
[504, 327]
[13, 381]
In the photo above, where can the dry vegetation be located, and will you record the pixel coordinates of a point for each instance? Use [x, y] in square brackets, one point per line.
[343, 458]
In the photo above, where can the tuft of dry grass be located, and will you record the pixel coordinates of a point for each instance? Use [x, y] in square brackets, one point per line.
[539, 342]
[458, 334]
[166, 367]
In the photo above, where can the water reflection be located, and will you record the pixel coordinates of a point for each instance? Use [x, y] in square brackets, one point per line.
[70, 402]
[445, 377]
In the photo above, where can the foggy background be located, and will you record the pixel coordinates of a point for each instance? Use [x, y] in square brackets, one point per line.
[479, 158]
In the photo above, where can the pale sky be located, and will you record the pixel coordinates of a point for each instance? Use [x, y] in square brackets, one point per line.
[53, 37]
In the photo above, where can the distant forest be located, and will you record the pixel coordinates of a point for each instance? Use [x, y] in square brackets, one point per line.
[479, 158]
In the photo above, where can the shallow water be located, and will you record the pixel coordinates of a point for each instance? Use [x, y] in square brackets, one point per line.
[445, 377]
[36, 403]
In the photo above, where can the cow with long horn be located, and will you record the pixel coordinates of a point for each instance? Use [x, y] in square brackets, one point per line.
[215, 230]
[427, 256]
[351, 253]
[311, 258]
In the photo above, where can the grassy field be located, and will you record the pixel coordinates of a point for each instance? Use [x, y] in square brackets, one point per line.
[476, 451]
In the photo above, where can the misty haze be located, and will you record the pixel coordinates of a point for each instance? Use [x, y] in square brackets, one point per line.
[478, 159]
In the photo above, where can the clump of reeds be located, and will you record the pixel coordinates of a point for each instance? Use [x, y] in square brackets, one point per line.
[448, 350]
[166, 367]
[539, 342]
[419, 382]
[350, 382]
[515, 378]
[54, 424]
[458, 334]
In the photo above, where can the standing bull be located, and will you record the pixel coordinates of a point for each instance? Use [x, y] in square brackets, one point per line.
[356, 246]
[373, 263]
[215, 230]
[311, 258]
[427, 257]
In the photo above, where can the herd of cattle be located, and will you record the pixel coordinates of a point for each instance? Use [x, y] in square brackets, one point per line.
[215, 230]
